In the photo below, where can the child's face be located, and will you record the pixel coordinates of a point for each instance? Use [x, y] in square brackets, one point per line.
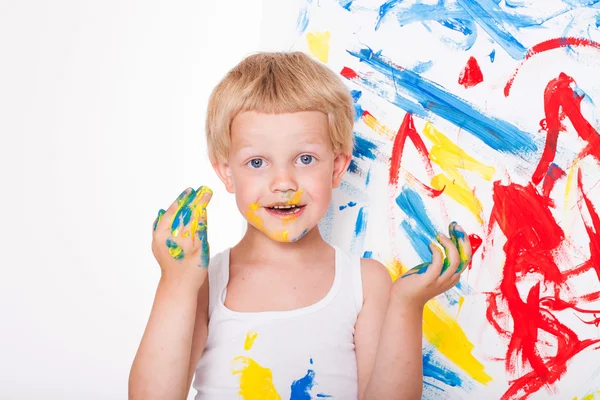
[282, 170]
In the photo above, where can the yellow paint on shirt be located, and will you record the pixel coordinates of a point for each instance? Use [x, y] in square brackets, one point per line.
[451, 158]
[256, 381]
[318, 45]
[250, 338]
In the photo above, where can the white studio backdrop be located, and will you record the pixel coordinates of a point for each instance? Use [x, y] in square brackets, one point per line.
[102, 108]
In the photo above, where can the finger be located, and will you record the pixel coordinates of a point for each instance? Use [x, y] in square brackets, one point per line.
[161, 212]
[197, 209]
[437, 260]
[464, 248]
[452, 260]
[181, 211]
[461, 241]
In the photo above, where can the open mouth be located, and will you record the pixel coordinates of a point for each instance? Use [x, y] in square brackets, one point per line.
[285, 210]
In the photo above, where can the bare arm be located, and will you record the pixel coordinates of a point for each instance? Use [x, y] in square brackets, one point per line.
[161, 366]
[376, 292]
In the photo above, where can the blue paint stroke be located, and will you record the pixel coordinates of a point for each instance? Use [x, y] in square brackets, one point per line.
[350, 204]
[353, 167]
[363, 148]
[493, 55]
[432, 369]
[422, 67]
[447, 15]
[356, 94]
[384, 9]
[496, 133]
[418, 227]
[368, 179]
[490, 17]
[303, 17]
[598, 21]
[361, 222]
[345, 4]
[367, 254]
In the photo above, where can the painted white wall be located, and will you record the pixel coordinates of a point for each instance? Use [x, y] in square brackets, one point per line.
[102, 107]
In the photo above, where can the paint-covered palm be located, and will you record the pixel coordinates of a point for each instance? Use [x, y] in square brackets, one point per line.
[180, 241]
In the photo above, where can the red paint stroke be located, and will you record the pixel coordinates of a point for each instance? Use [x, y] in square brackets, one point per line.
[407, 131]
[554, 173]
[348, 73]
[475, 242]
[532, 239]
[547, 45]
[592, 230]
[561, 100]
[429, 191]
[471, 75]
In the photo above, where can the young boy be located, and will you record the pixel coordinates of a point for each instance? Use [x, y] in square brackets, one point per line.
[282, 314]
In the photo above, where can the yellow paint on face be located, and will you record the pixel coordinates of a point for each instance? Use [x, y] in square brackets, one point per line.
[445, 334]
[258, 223]
[451, 158]
[318, 45]
[250, 338]
[295, 200]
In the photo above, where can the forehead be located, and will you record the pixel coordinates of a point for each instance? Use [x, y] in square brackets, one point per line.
[252, 128]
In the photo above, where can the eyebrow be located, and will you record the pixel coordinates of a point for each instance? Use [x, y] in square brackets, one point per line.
[314, 141]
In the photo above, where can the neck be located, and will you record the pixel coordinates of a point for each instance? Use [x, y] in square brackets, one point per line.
[258, 247]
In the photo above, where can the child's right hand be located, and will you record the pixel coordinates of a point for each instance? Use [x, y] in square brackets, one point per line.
[180, 242]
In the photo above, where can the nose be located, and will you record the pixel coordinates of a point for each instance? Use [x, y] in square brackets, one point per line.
[284, 179]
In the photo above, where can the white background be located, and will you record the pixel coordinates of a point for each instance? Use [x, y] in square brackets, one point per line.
[102, 107]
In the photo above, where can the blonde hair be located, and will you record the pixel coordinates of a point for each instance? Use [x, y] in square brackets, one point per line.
[276, 83]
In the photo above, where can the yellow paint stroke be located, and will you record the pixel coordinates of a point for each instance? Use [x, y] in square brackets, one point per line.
[461, 301]
[256, 381]
[258, 223]
[318, 45]
[443, 332]
[451, 158]
[377, 126]
[250, 338]
[569, 184]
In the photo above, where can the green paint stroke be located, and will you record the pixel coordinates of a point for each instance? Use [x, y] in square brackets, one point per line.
[174, 249]
[161, 212]
[458, 238]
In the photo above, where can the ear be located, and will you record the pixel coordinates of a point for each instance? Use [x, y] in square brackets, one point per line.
[340, 165]
[224, 172]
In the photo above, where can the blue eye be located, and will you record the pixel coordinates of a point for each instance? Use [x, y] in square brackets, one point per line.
[256, 163]
[306, 159]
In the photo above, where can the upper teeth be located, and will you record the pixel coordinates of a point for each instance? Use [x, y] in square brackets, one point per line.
[292, 206]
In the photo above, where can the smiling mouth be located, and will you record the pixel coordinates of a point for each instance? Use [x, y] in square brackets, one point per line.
[286, 209]
[589, 317]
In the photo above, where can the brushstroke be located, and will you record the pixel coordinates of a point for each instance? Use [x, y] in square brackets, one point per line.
[551, 44]
[318, 45]
[364, 148]
[303, 17]
[361, 222]
[350, 204]
[471, 74]
[451, 158]
[433, 369]
[300, 388]
[554, 173]
[562, 99]
[496, 133]
[490, 18]
[532, 239]
[407, 131]
[492, 56]
[445, 334]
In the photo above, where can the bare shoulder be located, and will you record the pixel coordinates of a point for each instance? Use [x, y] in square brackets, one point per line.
[374, 272]
[375, 276]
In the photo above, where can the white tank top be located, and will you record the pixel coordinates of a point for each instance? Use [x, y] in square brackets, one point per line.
[307, 353]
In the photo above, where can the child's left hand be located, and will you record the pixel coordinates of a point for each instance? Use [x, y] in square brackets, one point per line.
[427, 280]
